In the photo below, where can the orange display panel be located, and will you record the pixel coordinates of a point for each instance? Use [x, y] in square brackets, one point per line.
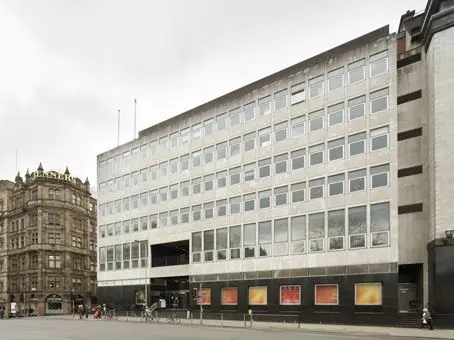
[327, 294]
[229, 296]
[290, 295]
[368, 294]
[258, 295]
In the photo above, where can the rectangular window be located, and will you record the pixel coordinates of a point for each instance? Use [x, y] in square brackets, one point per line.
[235, 242]
[280, 100]
[249, 111]
[379, 176]
[126, 201]
[163, 194]
[235, 175]
[316, 188]
[298, 126]
[356, 144]
[316, 120]
[208, 182]
[317, 232]
[153, 147]
[316, 154]
[173, 166]
[249, 202]
[298, 192]
[280, 196]
[143, 223]
[135, 225]
[184, 137]
[221, 122]
[249, 141]
[208, 155]
[174, 140]
[174, 191]
[184, 215]
[265, 235]
[163, 169]
[297, 93]
[153, 173]
[356, 71]
[221, 208]
[336, 184]
[281, 237]
[316, 86]
[144, 199]
[163, 144]
[196, 185]
[196, 212]
[265, 167]
[379, 224]
[280, 131]
[336, 229]
[235, 205]
[126, 227]
[336, 114]
[184, 162]
[413, 133]
[280, 163]
[208, 127]
[249, 240]
[357, 180]
[357, 227]
[221, 151]
[249, 172]
[135, 178]
[196, 158]
[209, 210]
[221, 178]
[357, 107]
[379, 138]
[208, 245]
[265, 137]
[221, 243]
[144, 175]
[378, 63]
[184, 189]
[336, 149]
[298, 159]
[336, 79]
[265, 199]
[196, 131]
[235, 146]
[379, 101]
[264, 106]
[298, 234]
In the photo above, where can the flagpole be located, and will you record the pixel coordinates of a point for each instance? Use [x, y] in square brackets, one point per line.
[118, 131]
[17, 167]
[135, 117]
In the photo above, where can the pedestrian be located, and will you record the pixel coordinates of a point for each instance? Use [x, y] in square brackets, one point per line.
[426, 319]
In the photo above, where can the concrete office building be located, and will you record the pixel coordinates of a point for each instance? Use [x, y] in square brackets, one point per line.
[322, 190]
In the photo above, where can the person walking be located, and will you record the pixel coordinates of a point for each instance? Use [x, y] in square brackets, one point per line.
[426, 319]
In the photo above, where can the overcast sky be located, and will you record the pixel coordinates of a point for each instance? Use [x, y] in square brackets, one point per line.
[67, 66]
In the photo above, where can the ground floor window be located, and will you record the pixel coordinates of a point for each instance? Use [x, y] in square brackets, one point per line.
[54, 306]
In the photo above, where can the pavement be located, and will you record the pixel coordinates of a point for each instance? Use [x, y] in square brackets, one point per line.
[68, 327]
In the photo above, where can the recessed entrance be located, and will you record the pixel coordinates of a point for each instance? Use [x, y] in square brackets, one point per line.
[54, 304]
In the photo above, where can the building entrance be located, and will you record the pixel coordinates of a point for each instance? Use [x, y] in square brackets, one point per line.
[407, 298]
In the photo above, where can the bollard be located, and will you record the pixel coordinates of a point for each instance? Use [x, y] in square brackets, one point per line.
[222, 320]
[244, 316]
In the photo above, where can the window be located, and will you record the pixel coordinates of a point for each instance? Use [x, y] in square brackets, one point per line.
[208, 127]
[378, 63]
[298, 126]
[184, 137]
[379, 138]
[221, 208]
[265, 106]
[235, 242]
[153, 175]
[280, 131]
[379, 224]
[235, 146]
[249, 240]
[356, 71]
[357, 227]
[316, 120]
[221, 151]
[316, 87]
[336, 114]
[336, 229]
[316, 188]
[297, 93]
[221, 178]
[221, 122]
[174, 140]
[379, 101]
[126, 226]
[184, 162]
[54, 261]
[336, 149]
[208, 155]
[249, 141]
[249, 202]
[196, 246]
[264, 238]
[264, 199]
[298, 234]
[336, 184]
[280, 100]
[184, 188]
[163, 169]
[54, 194]
[153, 149]
[281, 237]
[196, 158]
[235, 116]
[280, 163]
[317, 232]
[209, 210]
[298, 159]
[118, 226]
[379, 176]
[163, 194]
[249, 111]
[298, 192]
[135, 224]
[336, 79]
[196, 131]
[53, 219]
[280, 195]
[174, 191]
[163, 219]
[163, 144]
[356, 144]
[357, 180]
[126, 255]
[265, 167]
[249, 172]
[356, 107]
[154, 196]
[235, 175]
[316, 154]
[196, 185]
[184, 215]
[235, 205]
[208, 182]
[265, 137]
[221, 244]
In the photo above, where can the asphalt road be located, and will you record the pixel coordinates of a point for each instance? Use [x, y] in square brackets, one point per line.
[44, 329]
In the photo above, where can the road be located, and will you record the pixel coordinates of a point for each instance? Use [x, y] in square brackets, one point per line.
[57, 329]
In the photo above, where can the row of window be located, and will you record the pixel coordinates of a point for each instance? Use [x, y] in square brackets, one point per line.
[301, 234]
[124, 256]
[53, 282]
[53, 262]
[278, 196]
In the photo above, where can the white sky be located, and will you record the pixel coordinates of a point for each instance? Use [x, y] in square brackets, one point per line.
[66, 67]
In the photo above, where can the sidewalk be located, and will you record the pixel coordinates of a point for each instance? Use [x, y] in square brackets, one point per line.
[303, 328]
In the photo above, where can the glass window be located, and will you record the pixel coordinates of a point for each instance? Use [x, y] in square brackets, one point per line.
[184, 215]
[135, 178]
[235, 116]
[196, 215]
[356, 144]
[280, 131]
[280, 195]
[126, 202]
[316, 154]
[126, 227]
[280, 163]
[174, 140]
[265, 137]
[153, 147]
[196, 185]
[208, 182]
[357, 227]
[221, 178]
[356, 71]
[379, 101]
[153, 221]
[336, 229]
[221, 243]
[249, 141]
[249, 239]
[208, 155]
[298, 126]
[235, 146]
[280, 99]
[317, 232]
[174, 217]
[209, 210]
[173, 166]
[379, 224]
[249, 202]
[379, 138]
[196, 246]
[208, 245]
[336, 114]
[163, 169]
[249, 172]
[265, 167]
[143, 199]
[196, 131]
[297, 93]
[208, 127]
[163, 194]
[265, 199]
[264, 238]
[126, 180]
[316, 120]
[357, 180]
[235, 205]
[184, 137]
[336, 79]
[249, 111]
[298, 159]
[316, 87]
[184, 189]
[184, 162]
[356, 107]
[336, 149]
[221, 122]
[316, 188]
[235, 175]
[221, 151]
[235, 242]
[221, 208]
[298, 192]
[196, 158]
[281, 237]
[379, 176]
[265, 106]
[378, 63]
[163, 219]
[174, 191]
[336, 184]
